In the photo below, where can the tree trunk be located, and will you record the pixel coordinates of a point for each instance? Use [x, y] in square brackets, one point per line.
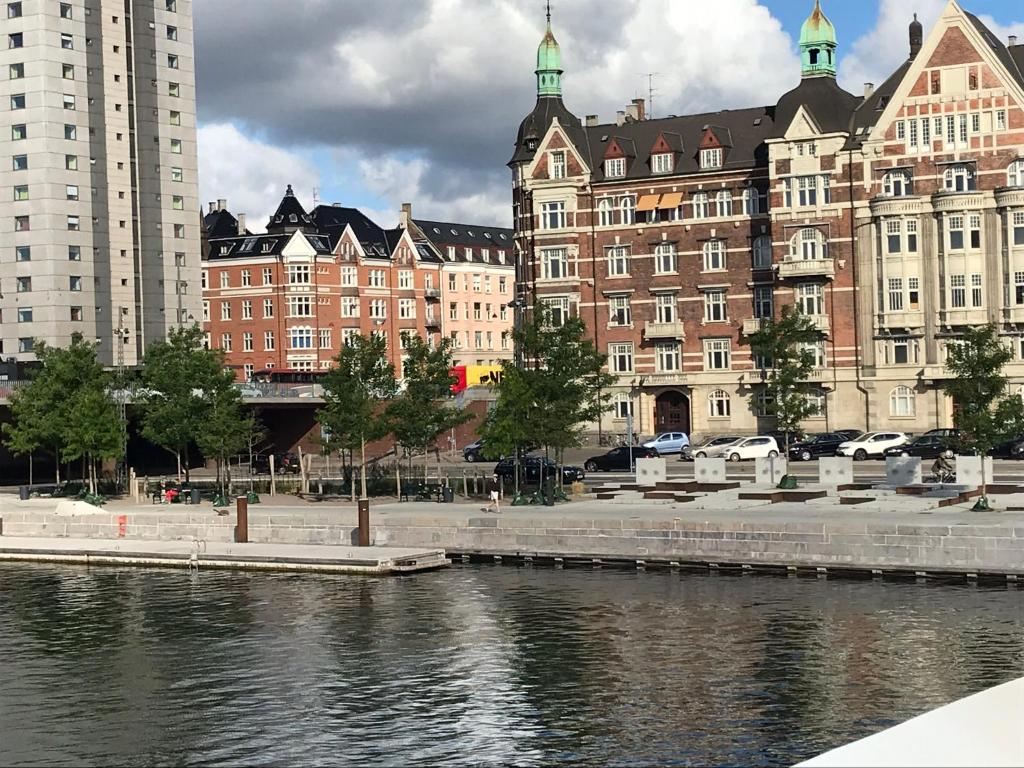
[30, 457]
[187, 464]
[352, 473]
[362, 467]
[57, 465]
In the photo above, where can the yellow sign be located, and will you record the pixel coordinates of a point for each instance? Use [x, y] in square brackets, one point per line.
[482, 375]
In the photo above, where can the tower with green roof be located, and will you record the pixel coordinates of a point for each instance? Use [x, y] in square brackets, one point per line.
[549, 64]
[817, 45]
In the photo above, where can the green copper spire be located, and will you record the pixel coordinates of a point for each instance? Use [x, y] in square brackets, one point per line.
[817, 45]
[549, 64]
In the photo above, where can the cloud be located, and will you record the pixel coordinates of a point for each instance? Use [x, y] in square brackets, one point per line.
[250, 174]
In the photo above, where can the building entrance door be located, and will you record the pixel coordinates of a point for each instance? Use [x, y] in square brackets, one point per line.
[672, 412]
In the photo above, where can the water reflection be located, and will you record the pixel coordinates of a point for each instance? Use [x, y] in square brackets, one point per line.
[491, 665]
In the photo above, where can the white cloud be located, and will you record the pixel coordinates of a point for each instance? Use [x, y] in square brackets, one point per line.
[250, 174]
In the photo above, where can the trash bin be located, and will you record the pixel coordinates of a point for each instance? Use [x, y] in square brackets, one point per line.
[195, 496]
[23, 492]
[447, 494]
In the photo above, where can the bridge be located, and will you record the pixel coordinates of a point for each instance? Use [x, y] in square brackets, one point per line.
[253, 393]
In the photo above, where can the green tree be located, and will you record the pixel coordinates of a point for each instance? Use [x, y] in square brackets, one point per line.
[181, 381]
[783, 344]
[356, 393]
[94, 430]
[227, 430]
[32, 426]
[424, 410]
[984, 411]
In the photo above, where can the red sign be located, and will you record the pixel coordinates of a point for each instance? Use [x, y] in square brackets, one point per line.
[122, 526]
[459, 374]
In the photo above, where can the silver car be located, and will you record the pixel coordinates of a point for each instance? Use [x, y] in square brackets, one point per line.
[715, 447]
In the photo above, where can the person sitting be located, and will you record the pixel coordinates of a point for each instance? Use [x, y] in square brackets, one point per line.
[943, 466]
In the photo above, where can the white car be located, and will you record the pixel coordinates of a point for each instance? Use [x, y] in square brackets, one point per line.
[759, 447]
[871, 444]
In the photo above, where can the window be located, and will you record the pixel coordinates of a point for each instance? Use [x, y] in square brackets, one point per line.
[627, 207]
[808, 245]
[177, 174]
[300, 337]
[179, 231]
[71, 191]
[810, 298]
[21, 192]
[300, 306]
[661, 162]
[22, 224]
[177, 203]
[268, 275]
[405, 279]
[558, 311]
[554, 263]
[174, 117]
[896, 184]
[1014, 174]
[1001, 120]
[225, 310]
[816, 350]
[717, 353]
[16, 40]
[665, 259]
[176, 146]
[298, 274]
[901, 131]
[913, 294]
[711, 158]
[901, 351]
[69, 101]
[268, 341]
[910, 229]
[553, 215]
[23, 253]
[378, 309]
[557, 167]
[25, 345]
[75, 314]
[974, 228]
[378, 278]
[962, 133]
[700, 205]
[605, 212]
[955, 230]
[913, 134]
[714, 306]
[763, 301]
[247, 309]
[893, 236]
[65, 10]
[70, 132]
[74, 253]
[406, 309]
[895, 294]
[16, 71]
[977, 294]
[24, 314]
[714, 255]
[620, 358]
[73, 224]
[618, 260]
[958, 178]
[619, 311]
[66, 41]
[807, 190]
[17, 101]
[24, 284]
[325, 338]
[350, 306]
[667, 356]
[751, 201]
[723, 203]
[665, 307]
[718, 404]
[615, 167]
[74, 283]
[975, 123]
[761, 251]
[247, 341]
[14, 10]
[172, 33]
[172, 5]
[1018, 228]
[623, 406]
[957, 291]
[349, 277]
[18, 132]
[173, 89]
[901, 402]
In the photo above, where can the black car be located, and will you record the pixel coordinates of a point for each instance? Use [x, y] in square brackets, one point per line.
[532, 465]
[814, 446]
[848, 434]
[926, 446]
[474, 451]
[781, 437]
[619, 459]
[1009, 449]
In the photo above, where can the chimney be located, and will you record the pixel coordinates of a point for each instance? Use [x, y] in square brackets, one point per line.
[591, 121]
[641, 109]
[632, 113]
[869, 88]
[405, 217]
[213, 207]
[1012, 40]
[916, 37]
[222, 204]
[620, 117]
[241, 224]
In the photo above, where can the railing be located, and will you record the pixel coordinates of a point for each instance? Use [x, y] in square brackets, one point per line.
[807, 268]
[432, 293]
[654, 330]
[248, 390]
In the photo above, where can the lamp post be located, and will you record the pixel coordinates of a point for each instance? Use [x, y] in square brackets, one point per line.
[518, 307]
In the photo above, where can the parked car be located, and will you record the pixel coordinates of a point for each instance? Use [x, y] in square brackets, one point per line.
[619, 459]
[668, 442]
[1009, 449]
[871, 444]
[849, 434]
[532, 470]
[926, 446]
[474, 451]
[814, 446]
[780, 436]
[760, 447]
[284, 463]
[946, 432]
[714, 447]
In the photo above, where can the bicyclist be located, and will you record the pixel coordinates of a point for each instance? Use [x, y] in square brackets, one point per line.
[943, 466]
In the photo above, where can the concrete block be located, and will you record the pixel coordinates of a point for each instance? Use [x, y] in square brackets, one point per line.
[709, 470]
[902, 470]
[651, 471]
[769, 470]
[835, 470]
[969, 470]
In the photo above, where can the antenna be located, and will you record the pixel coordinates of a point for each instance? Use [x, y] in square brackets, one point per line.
[650, 92]
[316, 196]
[549, 11]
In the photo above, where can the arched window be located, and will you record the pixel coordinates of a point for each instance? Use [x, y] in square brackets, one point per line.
[723, 203]
[1015, 174]
[807, 245]
[762, 252]
[700, 205]
[896, 184]
[902, 402]
[959, 178]
[751, 202]
[605, 212]
[628, 207]
[718, 404]
[714, 255]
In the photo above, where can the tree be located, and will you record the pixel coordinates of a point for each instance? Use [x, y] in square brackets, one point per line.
[423, 411]
[227, 429]
[181, 382]
[783, 345]
[94, 429]
[356, 392]
[984, 411]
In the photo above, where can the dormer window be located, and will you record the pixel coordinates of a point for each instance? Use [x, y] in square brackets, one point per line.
[662, 162]
[1015, 174]
[959, 178]
[711, 158]
[615, 168]
[896, 184]
[557, 167]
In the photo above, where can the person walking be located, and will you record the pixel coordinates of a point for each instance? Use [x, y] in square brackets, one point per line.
[494, 492]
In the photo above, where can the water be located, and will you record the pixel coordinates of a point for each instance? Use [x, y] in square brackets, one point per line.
[471, 666]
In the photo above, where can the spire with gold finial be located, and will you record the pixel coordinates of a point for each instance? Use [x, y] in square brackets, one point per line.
[549, 62]
[817, 45]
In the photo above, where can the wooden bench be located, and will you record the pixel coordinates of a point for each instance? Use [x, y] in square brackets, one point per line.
[854, 487]
[847, 500]
[776, 497]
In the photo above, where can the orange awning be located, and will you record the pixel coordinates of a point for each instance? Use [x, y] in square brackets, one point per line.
[671, 200]
[648, 203]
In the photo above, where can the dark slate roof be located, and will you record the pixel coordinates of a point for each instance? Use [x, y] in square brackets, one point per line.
[270, 244]
[289, 214]
[332, 220]
[871, 108]
[220, 224]
[535, 125]
[829, 105]
[443, 234]
[1006, 58]
[1017, 53]
[745, 128]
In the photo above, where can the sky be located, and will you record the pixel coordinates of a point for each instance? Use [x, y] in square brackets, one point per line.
[375, 104]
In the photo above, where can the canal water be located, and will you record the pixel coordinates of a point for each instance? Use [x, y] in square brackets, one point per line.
[478, 665]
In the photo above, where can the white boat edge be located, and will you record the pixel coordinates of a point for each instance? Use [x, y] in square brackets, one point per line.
[985, 729]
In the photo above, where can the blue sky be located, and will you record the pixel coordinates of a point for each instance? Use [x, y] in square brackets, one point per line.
[372, 105]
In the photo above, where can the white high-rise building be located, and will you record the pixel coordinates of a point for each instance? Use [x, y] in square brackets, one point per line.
[99, 209]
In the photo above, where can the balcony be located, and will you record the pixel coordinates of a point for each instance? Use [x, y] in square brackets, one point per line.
[901, 320]
[1010, 197]
[430, 320]
[432, 293]
[906, 205]
[821, 322]
[752, 325]
[799, 268]
[951, 318]
[655, 330]
[957, 202]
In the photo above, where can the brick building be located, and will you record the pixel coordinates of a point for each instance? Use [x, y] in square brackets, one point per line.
[288, 298]
[893, 219]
